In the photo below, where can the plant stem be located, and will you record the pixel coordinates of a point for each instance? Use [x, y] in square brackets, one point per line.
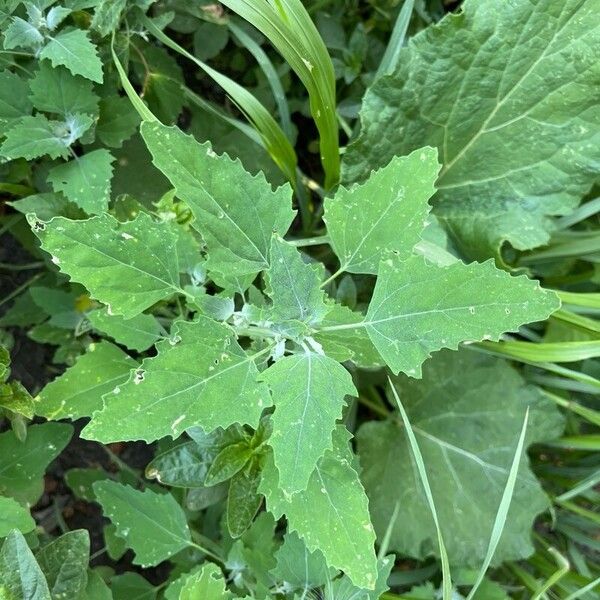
[18, 290]
[332, 277]
[25, 267]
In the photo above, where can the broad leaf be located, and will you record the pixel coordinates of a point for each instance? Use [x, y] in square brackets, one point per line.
[14, 100]
[131, 586]
[294, 286]
[78, 391]
[55, 90]
[20, 576]
[209, 582]
[21, 34]
[201, 376]
[385, 215]
[85, 180]
[64, 563]
[466, 413]
[14, 516]
[508, 94]
[129, 266]
[74, 50]
[343, 588]
[244, 499]
[419, 308]
[298, 568]
[22, 463]
[309, 393]
[235, 212]
[152, 524]
[332, 514]
[118, 121]
[32, 137]
[138, 333]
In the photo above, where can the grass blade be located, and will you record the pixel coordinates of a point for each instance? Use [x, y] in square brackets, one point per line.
[390, 58]
[503, 508]
[588, 588]
[414, 446]
[270, 73]
[274, 139]
[550, 352]
[290, 29]
[563, 568]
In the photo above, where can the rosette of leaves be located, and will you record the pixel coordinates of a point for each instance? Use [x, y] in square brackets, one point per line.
[260, 344]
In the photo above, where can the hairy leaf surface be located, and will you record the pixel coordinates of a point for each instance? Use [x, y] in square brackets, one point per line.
[466, 414]
[509, 94]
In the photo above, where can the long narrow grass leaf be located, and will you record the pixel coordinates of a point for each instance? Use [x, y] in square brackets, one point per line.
[275, 140]
[584, 590]
[270, 73]
[414, 446]
[290, 29]
[503, 508]
[390, 58]
[563, 568]
[546, 352]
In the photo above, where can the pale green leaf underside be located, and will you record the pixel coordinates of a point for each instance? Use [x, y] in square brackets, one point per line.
[20, 575]
[14, 516]
[32, 137]
[153, 525]
[236, 213]
[418, 308]
[129, 266]
[383, 216]
[137, 333]
[309, 393]
[466, 414]
[85, 180]
[293, 286]
[207, 583]
[509, 94]
[201, 376]
[78, 391]
[332, 514]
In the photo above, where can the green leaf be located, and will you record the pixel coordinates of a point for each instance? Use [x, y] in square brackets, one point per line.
[506, 92]
[419, 308]
[201, 376]
[128, 266]
[21, 34]
[298, 568]
[22, 463]
[385, 215]
[32, 137]
[55, 90]
[85, 180]
[244, 499]
[14, 397]
[131, 586]
[238, 233]
[48, 205]
[332, 514]
[20, 576]
[342, 342]
[152, 524]
[118, 121]
[138, 333]
[228, 462]
[107, 15]
[96, 589]
[294, 286]
[78, 391]
[115, 546]
[74, 50]
[343, 589]
[309, 392]
[64, 563]
[80, 481]
[14, 516]
[14, 100]
[207, 583]
[466, 414]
